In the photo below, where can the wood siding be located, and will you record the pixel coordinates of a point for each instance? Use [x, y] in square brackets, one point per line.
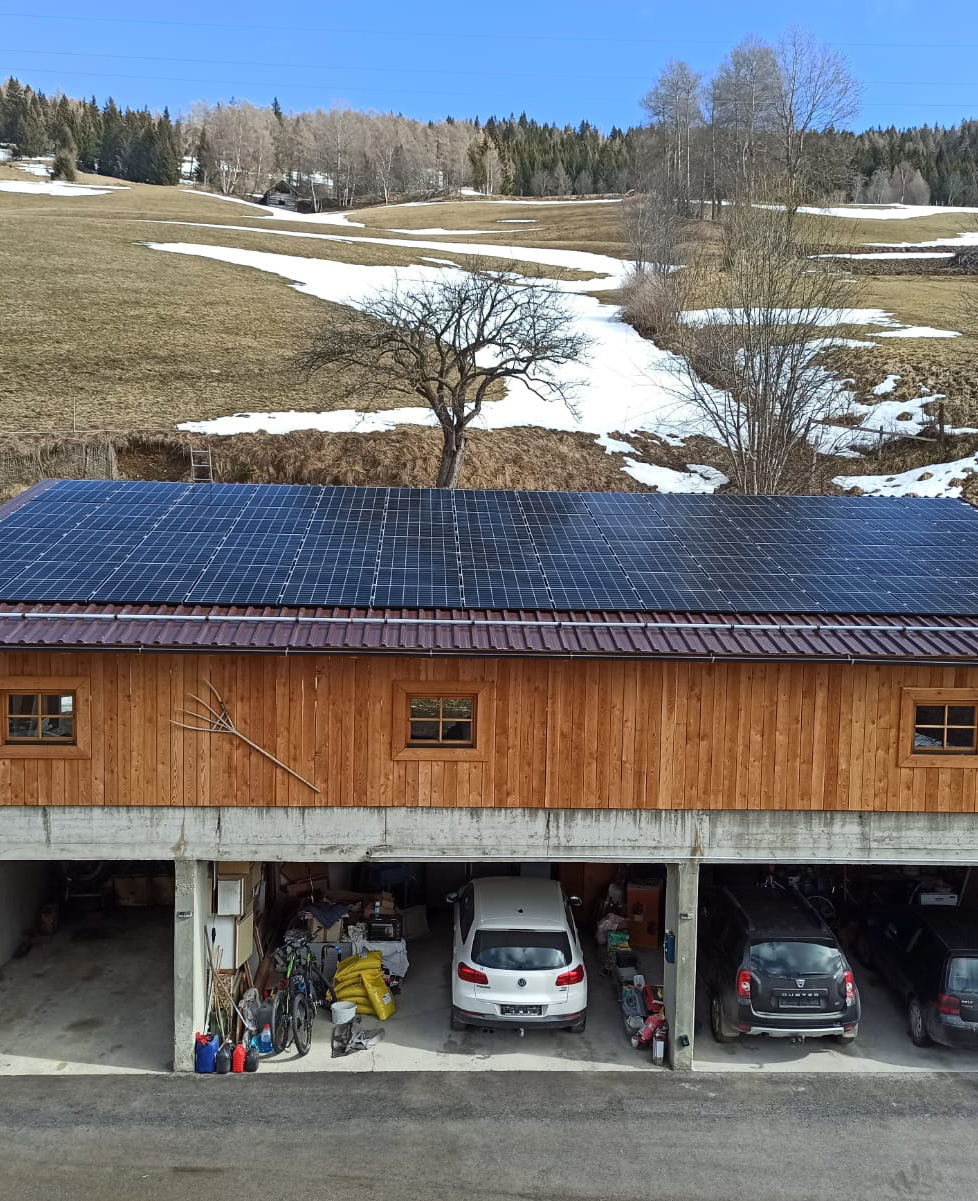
[564, 734]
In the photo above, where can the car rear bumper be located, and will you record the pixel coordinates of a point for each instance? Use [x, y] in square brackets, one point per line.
[818, 1025]
[526, 1021]
[962, 1036]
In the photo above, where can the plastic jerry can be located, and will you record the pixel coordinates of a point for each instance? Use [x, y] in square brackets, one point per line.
[222, 1061]
[205, 1049]
[252, 1058]
[238, 1058]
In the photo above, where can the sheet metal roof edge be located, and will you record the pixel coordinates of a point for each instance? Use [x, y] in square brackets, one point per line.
[159, 629]
[25, 497]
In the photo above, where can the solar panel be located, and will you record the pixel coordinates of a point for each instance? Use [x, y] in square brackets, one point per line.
[245, 544]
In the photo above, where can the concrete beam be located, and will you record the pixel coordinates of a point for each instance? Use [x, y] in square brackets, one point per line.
[679, 976]
[357, 834]
[189, 959]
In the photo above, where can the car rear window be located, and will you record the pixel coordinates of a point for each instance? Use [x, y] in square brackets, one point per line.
[785, 958]
[962, 975]
[521, 950]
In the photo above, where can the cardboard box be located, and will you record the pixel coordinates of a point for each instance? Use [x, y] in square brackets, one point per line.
[132, 891]
[643, 909]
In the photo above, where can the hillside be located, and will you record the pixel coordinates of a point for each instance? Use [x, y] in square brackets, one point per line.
[163, 313]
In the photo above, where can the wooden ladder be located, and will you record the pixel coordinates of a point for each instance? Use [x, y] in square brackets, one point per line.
[201, 465]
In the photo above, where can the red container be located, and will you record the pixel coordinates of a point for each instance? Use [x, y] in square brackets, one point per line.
[238, 1058]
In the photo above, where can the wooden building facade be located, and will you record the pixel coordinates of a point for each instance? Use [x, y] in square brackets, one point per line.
[552, 733]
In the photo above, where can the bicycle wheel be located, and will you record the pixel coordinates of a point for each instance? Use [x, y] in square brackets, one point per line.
[281, 1021]
[824, 908]
[303, 1012]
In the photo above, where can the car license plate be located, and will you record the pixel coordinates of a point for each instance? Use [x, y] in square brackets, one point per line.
[522, 1010]
[800, 1000]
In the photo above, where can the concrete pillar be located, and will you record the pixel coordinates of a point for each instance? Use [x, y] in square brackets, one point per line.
[189, 959]
[679, 984]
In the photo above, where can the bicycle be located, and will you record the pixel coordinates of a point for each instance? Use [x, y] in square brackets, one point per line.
[302, 990]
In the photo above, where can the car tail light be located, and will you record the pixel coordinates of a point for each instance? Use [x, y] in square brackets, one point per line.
[574, 977]
[473, 975]
[850, 988]
[949, 1004]
[743, 985]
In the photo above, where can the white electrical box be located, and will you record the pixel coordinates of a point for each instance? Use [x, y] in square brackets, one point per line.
[231, 896]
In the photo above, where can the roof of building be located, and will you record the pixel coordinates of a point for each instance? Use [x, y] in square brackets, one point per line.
[160, 566]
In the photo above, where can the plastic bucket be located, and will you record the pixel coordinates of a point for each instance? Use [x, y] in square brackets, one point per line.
[342, 1012]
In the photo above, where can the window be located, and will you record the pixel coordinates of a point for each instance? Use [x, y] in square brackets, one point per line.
[45, 717]
[939, 727]
[39, 717]
[442, 721]
[945, 729]
[521, 950]
[446, 720]
[783, 958]
[466, 912]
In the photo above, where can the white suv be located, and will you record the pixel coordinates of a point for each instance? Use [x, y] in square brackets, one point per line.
[517, 958]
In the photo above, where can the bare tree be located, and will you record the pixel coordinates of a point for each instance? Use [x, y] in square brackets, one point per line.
[747, 364]
[673, 104]
[449, 340]
[743, 106]
[816, 91]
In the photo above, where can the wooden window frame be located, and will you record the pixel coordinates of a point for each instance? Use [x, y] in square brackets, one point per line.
[80, 687]
[481, 692]
[912, 697]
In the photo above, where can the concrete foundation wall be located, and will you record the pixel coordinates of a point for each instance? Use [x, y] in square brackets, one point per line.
[341, 834]
[23, 886]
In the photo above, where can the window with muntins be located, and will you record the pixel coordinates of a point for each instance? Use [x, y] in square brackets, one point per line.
[39, 718]
[945, 729]
[441, 721]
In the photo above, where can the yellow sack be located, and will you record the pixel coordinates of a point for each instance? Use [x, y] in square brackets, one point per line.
[349, 968]
[352, 993]
[379, 994]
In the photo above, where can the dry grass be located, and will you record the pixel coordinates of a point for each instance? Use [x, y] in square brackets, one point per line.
[101, 333]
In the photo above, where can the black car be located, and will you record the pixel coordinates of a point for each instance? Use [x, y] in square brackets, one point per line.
[772, 966]
[928, 955]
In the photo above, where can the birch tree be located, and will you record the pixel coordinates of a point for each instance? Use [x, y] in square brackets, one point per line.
[816, 92]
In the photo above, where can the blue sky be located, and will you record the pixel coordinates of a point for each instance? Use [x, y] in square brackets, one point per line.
[562, 62]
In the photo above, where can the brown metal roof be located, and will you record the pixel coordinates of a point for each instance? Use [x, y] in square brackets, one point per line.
[845, 637]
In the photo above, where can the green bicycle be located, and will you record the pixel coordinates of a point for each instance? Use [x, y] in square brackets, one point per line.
[302, 990]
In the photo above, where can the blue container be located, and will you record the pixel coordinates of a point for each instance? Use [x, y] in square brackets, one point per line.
[205, 1050]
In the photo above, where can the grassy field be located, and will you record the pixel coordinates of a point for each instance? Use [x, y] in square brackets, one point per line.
[103, 336]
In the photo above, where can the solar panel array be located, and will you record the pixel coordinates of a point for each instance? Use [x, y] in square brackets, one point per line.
[242, 544]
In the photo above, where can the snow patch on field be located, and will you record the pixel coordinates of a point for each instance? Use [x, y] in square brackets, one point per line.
[419, 233]
[55, 188]
[699, 477]
[826, 317]
[574, 260]
[965, 238]
[887, 385]
[627, 384]
[920, 331]
[883, 212]
[281, 214]
[933, 480]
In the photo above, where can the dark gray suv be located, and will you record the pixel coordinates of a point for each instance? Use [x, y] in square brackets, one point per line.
[928, 956]
[772, 966]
